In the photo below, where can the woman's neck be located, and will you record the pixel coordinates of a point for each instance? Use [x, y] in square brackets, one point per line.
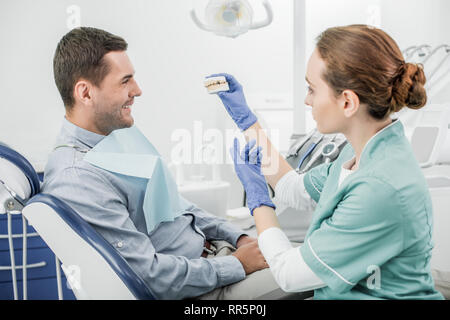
[359, 133]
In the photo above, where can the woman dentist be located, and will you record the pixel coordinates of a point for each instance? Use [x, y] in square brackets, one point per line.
[371, 233]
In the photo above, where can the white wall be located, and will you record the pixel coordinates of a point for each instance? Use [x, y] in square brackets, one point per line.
[170, 54]
[409, 22]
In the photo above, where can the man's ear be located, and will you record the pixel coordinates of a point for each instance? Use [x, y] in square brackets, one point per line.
[350, 103]
[82, 91]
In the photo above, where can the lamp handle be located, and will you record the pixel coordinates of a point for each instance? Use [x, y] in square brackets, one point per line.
[269, 18]
[197, 21]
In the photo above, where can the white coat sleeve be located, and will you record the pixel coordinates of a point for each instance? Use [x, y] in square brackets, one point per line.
[291, 192]
[289, 269]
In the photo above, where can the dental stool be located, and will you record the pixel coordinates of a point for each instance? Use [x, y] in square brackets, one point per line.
[94, 269]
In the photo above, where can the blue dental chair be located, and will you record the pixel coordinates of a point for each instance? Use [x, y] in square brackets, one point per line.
[94, 269]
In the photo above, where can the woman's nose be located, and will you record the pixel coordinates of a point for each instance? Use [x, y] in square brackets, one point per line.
[307, 102]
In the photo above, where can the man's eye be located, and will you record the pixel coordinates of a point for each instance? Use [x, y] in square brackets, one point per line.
[310, 90]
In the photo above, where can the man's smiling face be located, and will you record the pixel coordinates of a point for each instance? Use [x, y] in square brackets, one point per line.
[112, 99]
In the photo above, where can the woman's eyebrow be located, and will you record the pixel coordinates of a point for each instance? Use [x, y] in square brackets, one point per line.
[307, 80]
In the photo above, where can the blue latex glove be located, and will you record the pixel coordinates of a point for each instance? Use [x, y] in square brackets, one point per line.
[235, 103]
[248, 168]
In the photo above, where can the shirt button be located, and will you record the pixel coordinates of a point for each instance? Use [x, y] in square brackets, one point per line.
[119, 244]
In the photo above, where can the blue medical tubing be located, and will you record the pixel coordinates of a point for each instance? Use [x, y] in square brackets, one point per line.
[307, 153]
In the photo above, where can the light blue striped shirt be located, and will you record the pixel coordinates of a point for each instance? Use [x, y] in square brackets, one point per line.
[169, 258]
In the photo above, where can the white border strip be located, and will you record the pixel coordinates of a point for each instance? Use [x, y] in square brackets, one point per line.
[314, 186]
[328, 267]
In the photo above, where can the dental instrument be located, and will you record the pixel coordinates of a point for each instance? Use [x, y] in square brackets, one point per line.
[320, 154]
[330, 151]
[315, 142]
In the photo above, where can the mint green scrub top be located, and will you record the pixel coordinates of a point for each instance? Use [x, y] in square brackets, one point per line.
[371, 237]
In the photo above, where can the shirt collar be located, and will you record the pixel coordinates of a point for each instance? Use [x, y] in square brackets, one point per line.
[383, 137]
[85, 137]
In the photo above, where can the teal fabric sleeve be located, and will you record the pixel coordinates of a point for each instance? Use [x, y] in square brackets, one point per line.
[314, 180]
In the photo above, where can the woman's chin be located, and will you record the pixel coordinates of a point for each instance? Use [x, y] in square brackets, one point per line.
[325, 130]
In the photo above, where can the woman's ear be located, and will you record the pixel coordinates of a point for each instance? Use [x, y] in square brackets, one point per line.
[350, 103]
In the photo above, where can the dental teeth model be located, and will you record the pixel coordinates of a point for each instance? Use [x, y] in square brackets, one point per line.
[216, 84]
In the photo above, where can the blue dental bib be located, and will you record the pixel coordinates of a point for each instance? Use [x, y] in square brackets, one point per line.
[129, 153]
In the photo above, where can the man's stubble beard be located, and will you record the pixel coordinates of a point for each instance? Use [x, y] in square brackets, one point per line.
[107, 122]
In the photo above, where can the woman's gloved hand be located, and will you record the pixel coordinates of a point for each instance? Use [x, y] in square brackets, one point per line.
[248, 168]
[235, 103]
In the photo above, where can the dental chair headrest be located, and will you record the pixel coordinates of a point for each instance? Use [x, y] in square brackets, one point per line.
[17, 173]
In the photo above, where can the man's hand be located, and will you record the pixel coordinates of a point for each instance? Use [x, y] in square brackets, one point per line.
[244, 239]
[250, 257]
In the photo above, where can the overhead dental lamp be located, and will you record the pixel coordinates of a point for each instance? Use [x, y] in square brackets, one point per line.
[231, 18]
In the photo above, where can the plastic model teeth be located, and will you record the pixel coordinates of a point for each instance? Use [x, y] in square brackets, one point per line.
[216, 84]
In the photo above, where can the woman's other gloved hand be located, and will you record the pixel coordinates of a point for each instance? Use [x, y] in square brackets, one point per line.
[248, 168]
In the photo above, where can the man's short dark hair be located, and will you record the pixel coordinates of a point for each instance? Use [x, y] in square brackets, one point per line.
[80, 54]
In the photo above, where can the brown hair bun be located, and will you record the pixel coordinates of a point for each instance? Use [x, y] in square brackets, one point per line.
[408, 88]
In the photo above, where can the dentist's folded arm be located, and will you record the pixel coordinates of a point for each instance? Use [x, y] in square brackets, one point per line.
[285, 261]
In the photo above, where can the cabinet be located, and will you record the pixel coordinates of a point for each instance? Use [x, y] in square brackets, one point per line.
[41, 266]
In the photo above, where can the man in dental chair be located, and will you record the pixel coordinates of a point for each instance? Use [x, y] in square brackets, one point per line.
[192, 254]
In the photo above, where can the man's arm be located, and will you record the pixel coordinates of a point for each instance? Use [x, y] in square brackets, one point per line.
[217, 228]
[105, 209]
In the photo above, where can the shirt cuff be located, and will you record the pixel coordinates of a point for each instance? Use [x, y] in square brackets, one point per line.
[228, 268]
[284, 180]
[290, 190]
[273, 242]
[230, 233]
